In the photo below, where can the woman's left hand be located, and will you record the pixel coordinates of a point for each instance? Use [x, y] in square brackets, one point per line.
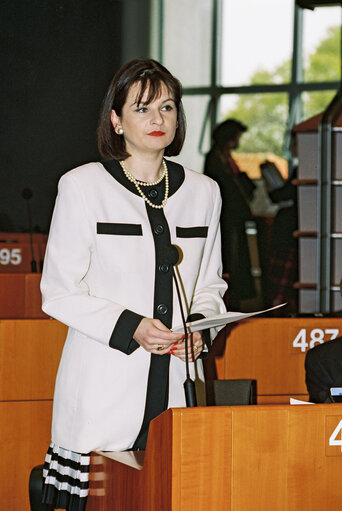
[195, 347]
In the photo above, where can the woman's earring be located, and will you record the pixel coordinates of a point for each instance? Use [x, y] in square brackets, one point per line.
[120, 131]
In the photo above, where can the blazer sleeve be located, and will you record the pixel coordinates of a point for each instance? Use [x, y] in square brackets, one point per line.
[210, 287]
[65, 294]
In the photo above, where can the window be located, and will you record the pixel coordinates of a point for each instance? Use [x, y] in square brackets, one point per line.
[265, 114]
[314, 102]
[269, 64]
[322, 44]
[186, 37]
[256, 39]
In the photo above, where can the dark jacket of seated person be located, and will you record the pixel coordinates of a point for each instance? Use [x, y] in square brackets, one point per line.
[323, 370]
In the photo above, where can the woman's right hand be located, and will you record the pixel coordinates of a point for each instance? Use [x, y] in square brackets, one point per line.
[155, 337]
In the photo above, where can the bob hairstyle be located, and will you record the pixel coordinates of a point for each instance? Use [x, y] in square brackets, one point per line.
[151, 76]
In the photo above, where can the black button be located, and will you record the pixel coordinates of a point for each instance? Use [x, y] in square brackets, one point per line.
[164, 268]
[159, 229]
[162, 309]
[153, 193]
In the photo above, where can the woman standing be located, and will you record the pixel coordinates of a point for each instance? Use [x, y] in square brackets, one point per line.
[237, 191]
[108, 275]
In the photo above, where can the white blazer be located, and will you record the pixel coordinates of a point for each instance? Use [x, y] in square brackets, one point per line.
[91, 277]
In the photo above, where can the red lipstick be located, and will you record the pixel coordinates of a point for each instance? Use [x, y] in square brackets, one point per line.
[156, 133]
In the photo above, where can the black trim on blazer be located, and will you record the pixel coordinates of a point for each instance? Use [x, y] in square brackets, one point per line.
[176, 178]
[122, 335]
[192, 232]
[119, 229]
[157, 394]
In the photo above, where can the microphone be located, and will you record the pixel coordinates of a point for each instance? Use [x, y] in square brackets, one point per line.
[27, 194]
[172, 255]
[189, 385]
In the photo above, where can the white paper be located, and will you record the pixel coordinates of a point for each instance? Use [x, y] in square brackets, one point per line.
[294, 401]
[220, 320]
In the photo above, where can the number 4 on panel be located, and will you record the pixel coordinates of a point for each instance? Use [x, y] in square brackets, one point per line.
[333, 440]
[316, 337]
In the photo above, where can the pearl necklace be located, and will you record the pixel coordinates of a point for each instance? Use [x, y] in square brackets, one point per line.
[138, 184]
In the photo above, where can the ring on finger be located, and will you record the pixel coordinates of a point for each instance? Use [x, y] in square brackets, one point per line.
[160, 347]
[195, 348]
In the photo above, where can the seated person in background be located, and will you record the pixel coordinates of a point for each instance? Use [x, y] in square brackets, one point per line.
[323, 370]
[283, 259]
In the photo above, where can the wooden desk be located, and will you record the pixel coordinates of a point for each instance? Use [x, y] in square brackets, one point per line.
[16, 251]
[29, 355]
[250, 458]
[272, 351]
[20, 296]
[261, 349]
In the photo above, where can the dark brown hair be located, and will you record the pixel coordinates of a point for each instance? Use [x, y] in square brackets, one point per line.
[151, 75]
[227, 130]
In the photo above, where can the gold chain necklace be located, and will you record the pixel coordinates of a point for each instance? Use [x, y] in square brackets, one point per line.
[138, 184]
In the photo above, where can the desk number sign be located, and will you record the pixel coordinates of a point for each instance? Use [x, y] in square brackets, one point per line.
[307, 339]
[333, 435]
[9, 256]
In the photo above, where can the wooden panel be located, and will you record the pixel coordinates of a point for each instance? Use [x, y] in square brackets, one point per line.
[282, 460]
[250, 458]
[29, 355]
[202, 459]
[263, 349]
[25, 437]
[315, 468]
[112, 481]
[33, 297]
[197, 445]
[20, 296]
[280, 399]
[12, 295]
[259, 459]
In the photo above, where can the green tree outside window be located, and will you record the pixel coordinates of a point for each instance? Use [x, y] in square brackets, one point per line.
[266, 113]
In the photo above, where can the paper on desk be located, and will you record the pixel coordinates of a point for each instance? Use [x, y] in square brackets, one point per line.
[294, 401]
[221, 320]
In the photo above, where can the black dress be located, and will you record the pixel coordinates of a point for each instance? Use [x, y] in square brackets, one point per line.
[283, 261]
[236, 191]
